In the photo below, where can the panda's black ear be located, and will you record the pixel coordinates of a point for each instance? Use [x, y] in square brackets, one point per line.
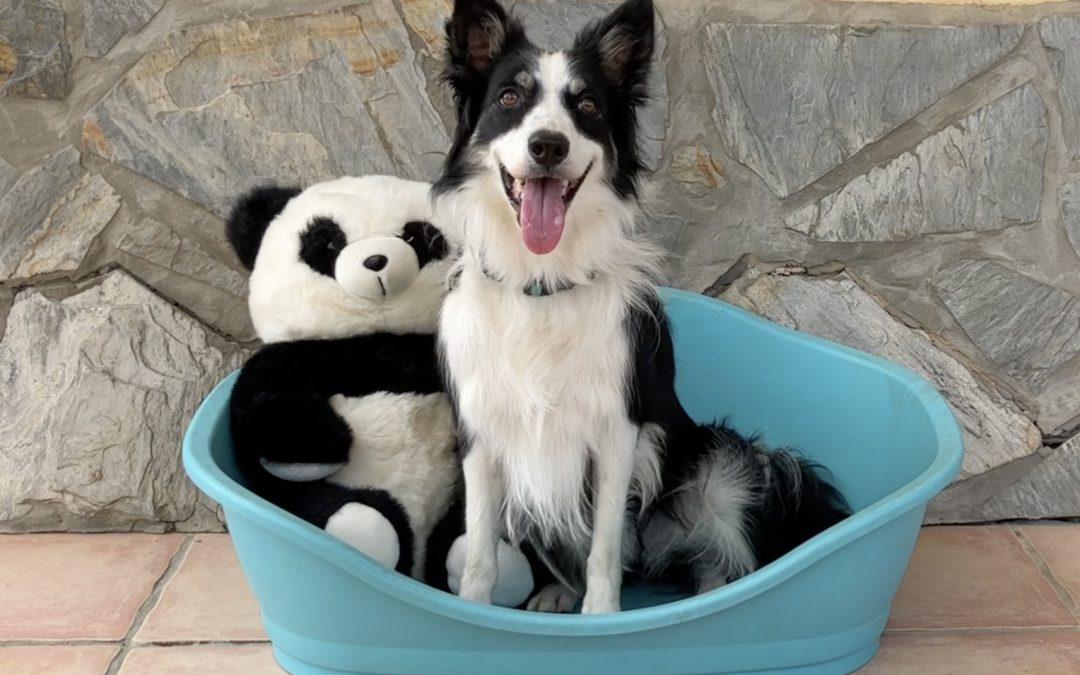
[251, 216]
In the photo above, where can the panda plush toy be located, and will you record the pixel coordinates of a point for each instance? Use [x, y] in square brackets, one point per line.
[341, 417]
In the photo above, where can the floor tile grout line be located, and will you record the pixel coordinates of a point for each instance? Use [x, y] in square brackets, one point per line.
[1047, 573]
[150, 602]
[147, 643]
[60, 643]
[202, 643]
[983, 630]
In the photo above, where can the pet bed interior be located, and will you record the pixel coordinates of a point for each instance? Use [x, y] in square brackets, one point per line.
[886, 435]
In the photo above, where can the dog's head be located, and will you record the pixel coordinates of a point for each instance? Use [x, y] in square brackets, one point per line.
[546, 142]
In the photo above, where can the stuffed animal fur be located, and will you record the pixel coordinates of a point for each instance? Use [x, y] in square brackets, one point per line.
[341, 417]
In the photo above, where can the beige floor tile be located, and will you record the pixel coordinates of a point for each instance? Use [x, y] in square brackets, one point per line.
[974, 577]
[72, 586]
[56, 659]
[1060, 547]
[217, 660]
[207, 599]
[1049, 653]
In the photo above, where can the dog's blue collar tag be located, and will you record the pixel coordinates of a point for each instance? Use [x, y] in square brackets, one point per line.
[536, 289]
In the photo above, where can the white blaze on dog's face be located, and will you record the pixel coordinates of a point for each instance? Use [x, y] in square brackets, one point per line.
[542, 174]
[544, 160]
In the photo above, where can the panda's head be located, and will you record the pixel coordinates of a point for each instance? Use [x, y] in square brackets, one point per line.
[342, 258]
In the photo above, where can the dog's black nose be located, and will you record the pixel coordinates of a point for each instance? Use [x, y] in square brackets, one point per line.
[548, 148]
[375, 262]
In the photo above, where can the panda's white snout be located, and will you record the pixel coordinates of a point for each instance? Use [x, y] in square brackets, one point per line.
[376, 268]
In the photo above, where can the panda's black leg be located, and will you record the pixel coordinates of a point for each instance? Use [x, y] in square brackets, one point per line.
[370, 520]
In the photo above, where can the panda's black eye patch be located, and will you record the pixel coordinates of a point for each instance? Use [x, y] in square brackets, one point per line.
[426, 240]
[321, 243]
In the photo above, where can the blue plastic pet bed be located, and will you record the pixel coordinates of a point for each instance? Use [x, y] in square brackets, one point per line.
[889, 439]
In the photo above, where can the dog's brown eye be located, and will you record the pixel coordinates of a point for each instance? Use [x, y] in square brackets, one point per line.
[588, 106]
[509, 98]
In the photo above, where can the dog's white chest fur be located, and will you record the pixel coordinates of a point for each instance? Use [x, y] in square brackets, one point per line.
[539, 381]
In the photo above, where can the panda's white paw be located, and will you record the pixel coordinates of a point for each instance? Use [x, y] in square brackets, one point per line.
[298, 472]
[515, 579]
[367, 530]
[554, 598]
[455, 565]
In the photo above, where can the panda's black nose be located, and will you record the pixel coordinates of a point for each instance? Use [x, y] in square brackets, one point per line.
[375, 262]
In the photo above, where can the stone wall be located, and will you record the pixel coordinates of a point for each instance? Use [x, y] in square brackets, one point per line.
[904, 179]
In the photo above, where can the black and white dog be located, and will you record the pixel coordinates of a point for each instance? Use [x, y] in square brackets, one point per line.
[555, 346]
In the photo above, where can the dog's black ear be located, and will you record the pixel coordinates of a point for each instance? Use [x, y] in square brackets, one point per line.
[251, 216]
[623, 43]
[476, 33]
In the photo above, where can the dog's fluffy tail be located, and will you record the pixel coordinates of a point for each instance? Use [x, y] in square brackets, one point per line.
[736, 506]
[798, 502]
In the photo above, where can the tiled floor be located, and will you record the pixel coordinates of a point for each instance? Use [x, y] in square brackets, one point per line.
[976, 600]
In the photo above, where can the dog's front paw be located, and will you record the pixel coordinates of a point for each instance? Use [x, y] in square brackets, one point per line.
[600, 601]
[477, 592]
[554, 598]
[477, 584]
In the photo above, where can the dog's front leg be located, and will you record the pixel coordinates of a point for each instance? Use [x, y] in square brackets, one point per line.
[483, 501]
[614, 465]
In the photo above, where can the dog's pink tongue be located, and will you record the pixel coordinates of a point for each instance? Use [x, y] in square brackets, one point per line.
[543, 214]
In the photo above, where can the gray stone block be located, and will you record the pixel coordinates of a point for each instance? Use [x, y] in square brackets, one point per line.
[6, 298]
[1043, 485]
[230, 105]
[94, 414]
[795, 101]
[109, 20]
[177, 263]
[45, 208]
[61, 240]
[34, 59]
[1025, 327]
[696, 171]
[1061, 35]
[1069, 205]
[8, 176]
[981, 174]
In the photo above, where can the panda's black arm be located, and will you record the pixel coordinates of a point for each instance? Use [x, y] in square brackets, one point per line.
[355, 366]
[280, 405]
[392, 363]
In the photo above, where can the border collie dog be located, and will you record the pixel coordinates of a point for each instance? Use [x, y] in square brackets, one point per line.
[554, 343]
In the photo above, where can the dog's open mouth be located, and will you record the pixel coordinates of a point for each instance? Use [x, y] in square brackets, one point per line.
[541, 203]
